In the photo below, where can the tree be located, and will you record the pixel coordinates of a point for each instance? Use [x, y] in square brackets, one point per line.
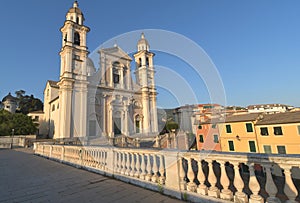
[27, 103]
[22, 124]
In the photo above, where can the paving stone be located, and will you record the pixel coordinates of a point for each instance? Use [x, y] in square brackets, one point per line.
[25, 177]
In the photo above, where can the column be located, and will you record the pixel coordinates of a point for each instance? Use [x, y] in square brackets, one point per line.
[110, 122]
[104, 115]
[121, 78]
[145, 100]
[154, 116]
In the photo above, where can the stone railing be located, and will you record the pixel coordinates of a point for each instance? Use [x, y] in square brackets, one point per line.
[196, 176]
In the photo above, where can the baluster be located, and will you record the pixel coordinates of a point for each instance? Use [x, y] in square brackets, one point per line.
[254, 186]
[202, 188]
[123, 163]
[116, 164]
[162, 177]
[149, 168]
[192, 187]
[182, 175]
[119, 162]
[155, 170]
[127, 164]
[143, 167]
[137, 166]
[213, 191]
[132, 165]
[289, 188]
[98, 159]
[270, 188]
[224, 180]
[238, 182]
[105, 160]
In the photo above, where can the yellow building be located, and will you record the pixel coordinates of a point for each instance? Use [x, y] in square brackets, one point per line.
[279, 133]
[238, 134]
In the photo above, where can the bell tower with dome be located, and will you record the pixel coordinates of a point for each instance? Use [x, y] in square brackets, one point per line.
[73, 81]
[144, 73]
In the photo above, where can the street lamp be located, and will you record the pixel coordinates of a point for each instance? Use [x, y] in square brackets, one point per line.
[12, 138]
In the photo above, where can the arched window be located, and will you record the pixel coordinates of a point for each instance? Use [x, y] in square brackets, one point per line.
[116, 76]
[147, 61]
[76, 38]
[140, 62]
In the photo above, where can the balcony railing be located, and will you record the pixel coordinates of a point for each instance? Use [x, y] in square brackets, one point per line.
[190, 175]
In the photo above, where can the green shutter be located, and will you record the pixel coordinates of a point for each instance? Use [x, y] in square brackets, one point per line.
[228, 129]
[252, 146]
[249, 127]
[231, 145]
[216, 139]
[267, 149]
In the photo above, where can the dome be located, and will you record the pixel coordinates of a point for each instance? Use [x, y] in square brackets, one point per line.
[9, 98]
[143, 43]
[75, 9]
[90, 66]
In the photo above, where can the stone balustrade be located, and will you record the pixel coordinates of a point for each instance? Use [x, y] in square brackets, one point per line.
[191, 175]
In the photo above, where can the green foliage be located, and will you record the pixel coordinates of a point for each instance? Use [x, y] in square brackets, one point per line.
[27, 103]
[170, 125]
[21, 124]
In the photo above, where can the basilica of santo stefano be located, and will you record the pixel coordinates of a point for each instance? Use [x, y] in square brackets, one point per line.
[104, 102]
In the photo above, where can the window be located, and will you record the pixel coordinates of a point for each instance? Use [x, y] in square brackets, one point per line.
[267, 149]
[216, 139]
[53, 107]
[249, 127]
[116, 76]
[281, 149]
[264, 131]
[252, 146]
[231, 145]
[76, 38]
[199, 127]
[277, 131]
[36, 118]
[140, 62]
[201, 139]
[77, 20]
[147, 61]
[214, 126]
[228, 129]
[298, 129]
[57, 106]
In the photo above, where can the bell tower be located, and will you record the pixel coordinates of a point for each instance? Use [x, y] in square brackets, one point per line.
[144, 74]
[73, 75]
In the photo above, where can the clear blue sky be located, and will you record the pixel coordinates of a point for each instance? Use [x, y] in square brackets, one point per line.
[255, 44]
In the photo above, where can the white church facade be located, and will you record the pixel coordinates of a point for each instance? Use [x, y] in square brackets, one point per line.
[100, 102]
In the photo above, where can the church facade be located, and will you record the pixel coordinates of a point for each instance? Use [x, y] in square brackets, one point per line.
[100, 102]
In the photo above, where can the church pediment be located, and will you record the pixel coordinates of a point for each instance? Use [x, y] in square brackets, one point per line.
[115, 51]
